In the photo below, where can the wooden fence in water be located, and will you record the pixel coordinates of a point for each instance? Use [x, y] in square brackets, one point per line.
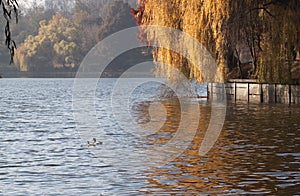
[252, 92]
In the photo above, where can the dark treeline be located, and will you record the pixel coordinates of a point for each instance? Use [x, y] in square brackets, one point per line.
[56, 36]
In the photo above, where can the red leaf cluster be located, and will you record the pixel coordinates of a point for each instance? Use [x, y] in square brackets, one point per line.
[138, 14]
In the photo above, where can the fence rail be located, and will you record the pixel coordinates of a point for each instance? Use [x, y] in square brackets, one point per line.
[253, 92]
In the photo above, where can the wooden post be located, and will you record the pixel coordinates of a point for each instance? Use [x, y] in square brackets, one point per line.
[248, 86]
[208, 91]
[234, 91]
[261, 94]
[275, 94]
[290, 94]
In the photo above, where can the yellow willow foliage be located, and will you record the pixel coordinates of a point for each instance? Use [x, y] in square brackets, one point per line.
[280, 35]
[20, 60]
[268, 28]
[196, 18]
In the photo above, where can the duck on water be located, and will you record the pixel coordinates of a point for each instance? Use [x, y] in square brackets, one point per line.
[94, 143]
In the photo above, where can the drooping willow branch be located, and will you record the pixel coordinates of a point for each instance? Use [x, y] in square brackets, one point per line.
[9, 9]
[265, 32]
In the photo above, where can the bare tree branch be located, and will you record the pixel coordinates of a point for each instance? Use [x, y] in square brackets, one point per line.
[9, 8]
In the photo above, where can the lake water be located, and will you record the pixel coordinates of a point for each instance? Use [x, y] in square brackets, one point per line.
[43, 147]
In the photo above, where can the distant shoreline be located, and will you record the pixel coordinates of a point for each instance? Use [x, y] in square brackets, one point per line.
[38, 75]
[116, 74]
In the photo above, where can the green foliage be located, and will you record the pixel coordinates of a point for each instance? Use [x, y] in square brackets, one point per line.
[51, 41]
[28, 24]
[53, 46]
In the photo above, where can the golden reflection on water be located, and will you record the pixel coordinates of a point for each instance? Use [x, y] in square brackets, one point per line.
[256, 152]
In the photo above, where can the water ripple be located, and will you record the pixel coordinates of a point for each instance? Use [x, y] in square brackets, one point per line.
[41, 152]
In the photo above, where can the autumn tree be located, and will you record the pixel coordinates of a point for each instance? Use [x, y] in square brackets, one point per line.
[116, 17]
[268, 29]
[53, 46]
[64, 7]
[87, 20]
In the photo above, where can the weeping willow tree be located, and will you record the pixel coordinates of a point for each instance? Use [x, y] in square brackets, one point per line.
[280, 40]
[269, 29]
